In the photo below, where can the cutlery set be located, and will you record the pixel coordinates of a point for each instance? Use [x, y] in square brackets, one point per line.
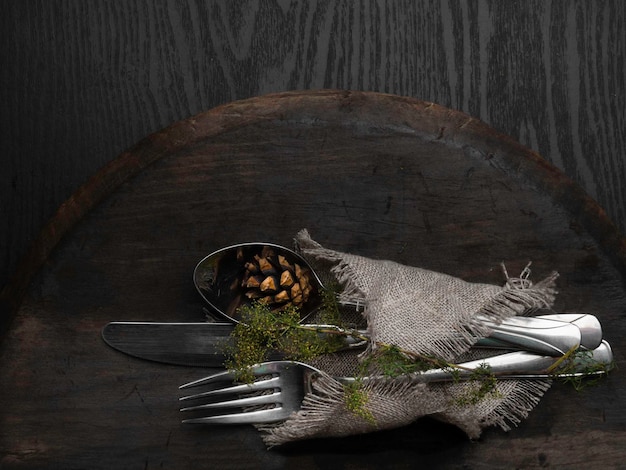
[534, 348]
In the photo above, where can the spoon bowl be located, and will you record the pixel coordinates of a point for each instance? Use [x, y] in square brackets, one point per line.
[234, 276]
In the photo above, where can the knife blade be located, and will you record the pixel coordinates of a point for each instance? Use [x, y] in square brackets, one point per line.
[186, 344]
[203, 344]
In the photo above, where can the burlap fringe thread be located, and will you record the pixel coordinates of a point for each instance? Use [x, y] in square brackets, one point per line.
[444, 320]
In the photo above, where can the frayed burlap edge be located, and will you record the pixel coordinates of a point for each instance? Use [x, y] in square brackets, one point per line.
[517, 399]
[353, 290]
[518, 297]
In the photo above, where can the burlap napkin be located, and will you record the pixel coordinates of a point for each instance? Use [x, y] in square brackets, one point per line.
[426, 313]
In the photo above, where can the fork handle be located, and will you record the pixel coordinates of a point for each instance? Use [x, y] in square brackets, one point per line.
[520, 365]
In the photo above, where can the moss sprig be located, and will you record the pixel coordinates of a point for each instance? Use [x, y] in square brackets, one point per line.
[356, 400]
[263, 332]
[330, 313]
[390, 361]
[579, 369]
[482, 384]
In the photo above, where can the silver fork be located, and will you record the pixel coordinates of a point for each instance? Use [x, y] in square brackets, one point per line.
[284, 384]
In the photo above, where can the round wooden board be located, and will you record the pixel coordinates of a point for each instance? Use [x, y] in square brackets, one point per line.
[372, 174]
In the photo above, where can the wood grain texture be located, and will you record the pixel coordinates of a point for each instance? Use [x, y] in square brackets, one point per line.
[428, 187]
[80, 83]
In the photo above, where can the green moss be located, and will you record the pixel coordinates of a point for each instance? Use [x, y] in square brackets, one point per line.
[391, 361]
[264, 331]
[330, 313]
[356, 400]
[482, 383]
[579, 369]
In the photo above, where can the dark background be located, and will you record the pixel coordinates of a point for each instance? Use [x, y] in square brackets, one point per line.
[82, 81]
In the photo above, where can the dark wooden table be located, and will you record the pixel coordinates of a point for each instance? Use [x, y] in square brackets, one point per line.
[373, 174]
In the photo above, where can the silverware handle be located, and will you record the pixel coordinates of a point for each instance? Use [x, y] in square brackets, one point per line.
[589, 326]
[538, 335]
[521, 365]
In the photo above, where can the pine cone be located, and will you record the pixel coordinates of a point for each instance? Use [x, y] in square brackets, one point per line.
[277, 280]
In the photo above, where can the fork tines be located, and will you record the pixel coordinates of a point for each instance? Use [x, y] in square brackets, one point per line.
[255, 398]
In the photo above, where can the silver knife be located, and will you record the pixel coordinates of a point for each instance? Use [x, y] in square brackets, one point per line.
[203, 344]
